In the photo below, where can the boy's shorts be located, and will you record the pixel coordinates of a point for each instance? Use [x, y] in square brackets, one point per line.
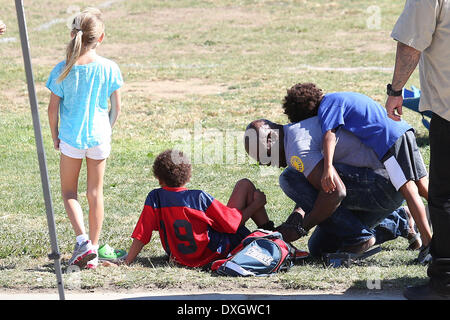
[99, 152]
[224, 243]
[403, 161]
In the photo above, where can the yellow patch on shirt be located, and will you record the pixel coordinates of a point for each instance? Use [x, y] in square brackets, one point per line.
[297, 163]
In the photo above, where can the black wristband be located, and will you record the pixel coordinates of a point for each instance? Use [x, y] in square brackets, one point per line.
[393, 93]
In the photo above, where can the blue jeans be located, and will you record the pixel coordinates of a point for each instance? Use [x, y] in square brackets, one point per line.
[371, 201]
[393, 226]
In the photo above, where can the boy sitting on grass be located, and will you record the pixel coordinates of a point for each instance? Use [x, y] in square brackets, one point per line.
[195, 229]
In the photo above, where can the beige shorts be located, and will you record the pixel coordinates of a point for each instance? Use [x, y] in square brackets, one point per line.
[99, 152]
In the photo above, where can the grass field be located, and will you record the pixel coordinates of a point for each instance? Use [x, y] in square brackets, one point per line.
[195, 72]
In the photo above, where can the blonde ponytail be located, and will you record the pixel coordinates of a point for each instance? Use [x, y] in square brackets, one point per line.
[73, 52]
[87, 27]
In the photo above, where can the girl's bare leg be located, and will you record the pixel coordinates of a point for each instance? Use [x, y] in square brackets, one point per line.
[95, 174]
[69, 173]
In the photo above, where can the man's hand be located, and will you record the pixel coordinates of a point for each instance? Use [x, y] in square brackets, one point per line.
[2, 27]
[406, 61]
[394, 107]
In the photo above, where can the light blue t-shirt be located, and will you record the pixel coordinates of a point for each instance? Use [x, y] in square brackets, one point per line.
[362, 116]
[83, 110]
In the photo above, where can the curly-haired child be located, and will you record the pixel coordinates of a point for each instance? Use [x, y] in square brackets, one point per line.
[195, 229]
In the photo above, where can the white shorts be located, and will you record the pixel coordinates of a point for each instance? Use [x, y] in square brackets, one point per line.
[99, 152]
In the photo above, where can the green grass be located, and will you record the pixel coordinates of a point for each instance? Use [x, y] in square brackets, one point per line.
[252, 51]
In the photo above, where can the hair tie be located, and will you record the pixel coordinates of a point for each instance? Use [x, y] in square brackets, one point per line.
[77, 23]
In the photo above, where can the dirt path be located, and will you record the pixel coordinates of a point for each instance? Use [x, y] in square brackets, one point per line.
[245, 295]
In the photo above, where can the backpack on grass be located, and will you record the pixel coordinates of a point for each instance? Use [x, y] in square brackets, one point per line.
[261, 253]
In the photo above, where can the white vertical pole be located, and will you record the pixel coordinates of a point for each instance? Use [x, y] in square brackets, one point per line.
[40, 146]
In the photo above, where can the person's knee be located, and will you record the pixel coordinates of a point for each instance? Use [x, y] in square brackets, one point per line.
[245, 184]
[94, 194]
[69, 195]
[339, 195]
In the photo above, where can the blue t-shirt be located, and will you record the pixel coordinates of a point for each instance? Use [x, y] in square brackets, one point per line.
[303, 147]
[84, 120]
[362, 116]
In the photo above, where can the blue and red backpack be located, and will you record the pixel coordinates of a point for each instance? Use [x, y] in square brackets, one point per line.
[261, 253]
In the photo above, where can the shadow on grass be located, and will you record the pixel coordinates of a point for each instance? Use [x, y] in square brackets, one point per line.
[155, 262]
[152, 262]
[48, 267]
[11, 266]
[422, 141]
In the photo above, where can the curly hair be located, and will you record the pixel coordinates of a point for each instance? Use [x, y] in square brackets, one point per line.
[302, 101]
[173, 168]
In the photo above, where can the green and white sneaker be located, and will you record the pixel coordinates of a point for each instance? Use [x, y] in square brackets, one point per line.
[106, 253]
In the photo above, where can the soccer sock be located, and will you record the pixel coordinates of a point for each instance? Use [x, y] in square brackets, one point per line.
[268, 226]
[82, 238]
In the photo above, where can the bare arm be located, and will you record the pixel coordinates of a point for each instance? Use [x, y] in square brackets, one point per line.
[326, 203]
[135, 249]
[328, 176]
[115, 107]
[53, 118]
[406, 62]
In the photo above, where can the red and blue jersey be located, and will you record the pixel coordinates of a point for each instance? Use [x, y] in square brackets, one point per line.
[191, 224]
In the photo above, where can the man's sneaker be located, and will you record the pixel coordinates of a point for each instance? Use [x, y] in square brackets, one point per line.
[424, 255]
[106, 253]
[82, 253]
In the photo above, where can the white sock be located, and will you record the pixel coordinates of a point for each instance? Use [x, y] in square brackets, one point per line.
[82, 238]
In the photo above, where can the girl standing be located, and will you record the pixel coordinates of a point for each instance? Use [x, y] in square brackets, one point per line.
[80, 123]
